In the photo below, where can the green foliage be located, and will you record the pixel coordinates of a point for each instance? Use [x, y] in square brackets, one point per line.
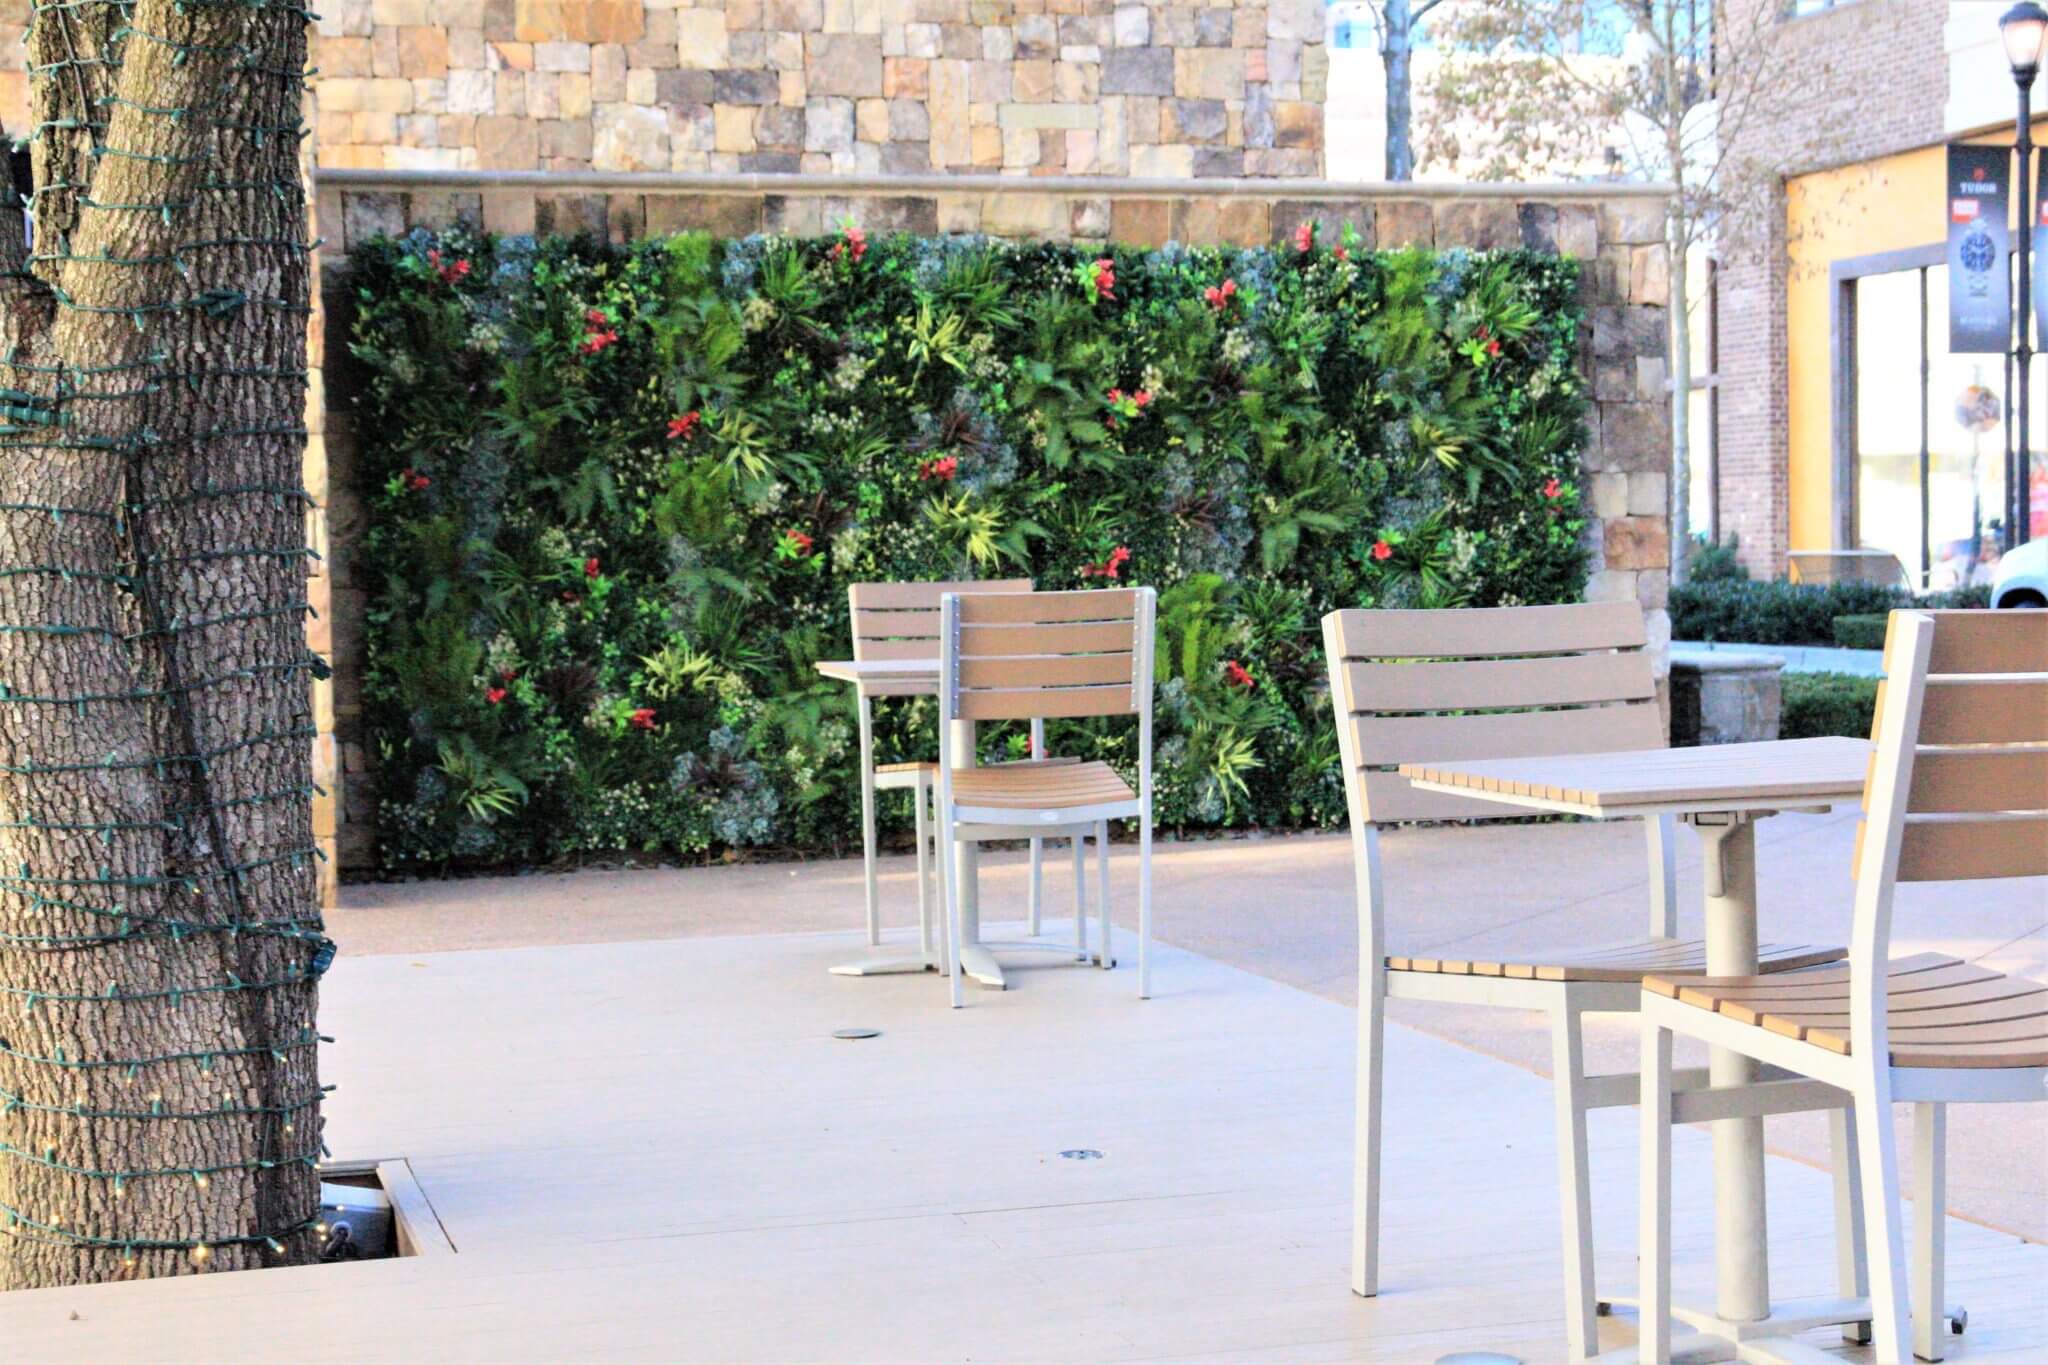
[1827, 704]
[1781, 613]
[1860, 632]
[616, 494]
[1714, 561]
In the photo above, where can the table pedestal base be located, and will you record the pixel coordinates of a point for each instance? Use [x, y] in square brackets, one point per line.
[890, 964]
[1706, 1336]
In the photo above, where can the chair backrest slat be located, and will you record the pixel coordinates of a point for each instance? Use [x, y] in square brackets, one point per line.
[1049, 654]
[901, 620]
[1972, 778]
[1504, 682]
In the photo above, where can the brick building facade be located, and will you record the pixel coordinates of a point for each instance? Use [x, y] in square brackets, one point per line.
[1871, 78]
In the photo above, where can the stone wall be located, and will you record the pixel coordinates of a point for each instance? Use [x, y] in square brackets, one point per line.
[1616, 231]
[1025, 87]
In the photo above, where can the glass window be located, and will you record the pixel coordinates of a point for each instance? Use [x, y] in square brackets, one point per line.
[1930, 433]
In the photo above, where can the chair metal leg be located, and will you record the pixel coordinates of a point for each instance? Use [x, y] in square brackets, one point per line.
[1653, 1237]
[1852, 1274]
[1102, 889]
[1930, 1217]
[867, 819]
[1568, 1082]
[1080, 847]
[921, 797]
[1365, 1157]
[1037, 882]
[1145, 906]
[1878, 1166]
[949, 886]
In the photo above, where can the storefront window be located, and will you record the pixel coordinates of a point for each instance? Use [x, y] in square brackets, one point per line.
[1929, 436]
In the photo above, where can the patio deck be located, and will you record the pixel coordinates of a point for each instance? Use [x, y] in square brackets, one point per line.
[656, 1151]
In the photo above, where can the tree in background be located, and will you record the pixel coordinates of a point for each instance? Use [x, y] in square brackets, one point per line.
[1520, 95]
[1398, 22]
[160, 937]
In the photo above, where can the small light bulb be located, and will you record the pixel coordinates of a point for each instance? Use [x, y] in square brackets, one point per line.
[287, 1130]
[199, 1179]
[201, 1254]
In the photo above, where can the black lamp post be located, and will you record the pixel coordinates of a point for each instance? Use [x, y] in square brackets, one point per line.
[2023, 27]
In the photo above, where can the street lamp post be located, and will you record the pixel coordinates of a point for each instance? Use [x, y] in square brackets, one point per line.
[2023, 27]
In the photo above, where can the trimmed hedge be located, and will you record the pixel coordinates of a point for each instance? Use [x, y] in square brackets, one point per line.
[616, 494]
[1827, 704]
[1779, 613]
[1860, 632]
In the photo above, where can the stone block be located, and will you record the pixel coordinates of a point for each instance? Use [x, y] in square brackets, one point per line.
[1195, 121]
[1020, 147]
[1649, 279]
[1610, 495]
[641, 85]
[985, 144]
[1031, 81]
[1162, 163]
[1297, 123]
[629, 137]
[1632, 221]
[988, 82]
[1014, 117]
[1141, 222]
[1637, 543]
[1652, 377]
[506, 143]
[508, 212]
[365, 215]
[745, 87]
[906, 158]
[702, 41]
[569, 214]
[338, 59]
[722, 215]
[732, 127]
[1026, 216]
[909, 121]
[1649, 494]
[828, 124]
[1038, 37]
[1223, 221]
[565, 140]
[798, 16]
[1404, 222]
[1478, 224]
[1138, 71]
[1213, 27]
[1076, 82]
[792, 215]
[998, 44]
[679, 87]
[607, 74]
[1209, 73]
[843, 64]
[1131, 26]
[558, 57]
[1633, 437]
[951, 132]
[871, 120]
[779, 128]
[785, 51]
[1329, 216]
[905, 78]
[574, 97]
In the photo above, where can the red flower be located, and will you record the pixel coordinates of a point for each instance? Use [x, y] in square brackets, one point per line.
[1116, 395]
[1382, 551]
[1108, 568]
[1234, 673]
[1553, 489]
[1342, 253]
[571, 597]
[592, 568]
[1142, 398]
[942, 469]
[684, 428]
[449, 273]
[1105, 278]
[1305, 237]
[800, 541]
[853, 240]
[507, 674]
[598, 332]
[1219, 298]
[494, 695]
[643, 719]
[413, 479]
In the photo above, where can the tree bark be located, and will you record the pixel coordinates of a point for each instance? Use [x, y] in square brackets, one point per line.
[1397, 48]
[1677, 241]
[160, 939]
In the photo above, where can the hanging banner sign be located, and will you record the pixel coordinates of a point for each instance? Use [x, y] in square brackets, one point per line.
[1979, 244]
[2040, 283]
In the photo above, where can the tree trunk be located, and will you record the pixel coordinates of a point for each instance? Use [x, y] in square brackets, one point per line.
[1680, 309]
[1397, 53]
[160, 938]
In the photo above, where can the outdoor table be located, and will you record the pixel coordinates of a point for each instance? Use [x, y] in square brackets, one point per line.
[1722, 791]
[911, 678]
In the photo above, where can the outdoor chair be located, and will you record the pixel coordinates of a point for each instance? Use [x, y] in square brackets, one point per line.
[1958, 791]
[1037, 656]
[901, 621]
[1506, 682]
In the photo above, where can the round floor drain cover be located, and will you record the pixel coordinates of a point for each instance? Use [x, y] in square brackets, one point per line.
[856, 1033]
[1081, 1154]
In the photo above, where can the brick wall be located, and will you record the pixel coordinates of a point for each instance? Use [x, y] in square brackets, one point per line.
[823, 86]
[1616, 232]
[1871, 78]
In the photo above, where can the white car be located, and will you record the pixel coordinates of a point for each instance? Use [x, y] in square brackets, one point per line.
[2022, 577]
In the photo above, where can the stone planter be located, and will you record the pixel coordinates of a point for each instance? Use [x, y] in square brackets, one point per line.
[1721, 697]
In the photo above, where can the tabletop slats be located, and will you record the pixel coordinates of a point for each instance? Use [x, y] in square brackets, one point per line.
[1761, 776]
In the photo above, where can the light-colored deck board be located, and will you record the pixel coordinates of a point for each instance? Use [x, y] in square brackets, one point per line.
[653, 1151]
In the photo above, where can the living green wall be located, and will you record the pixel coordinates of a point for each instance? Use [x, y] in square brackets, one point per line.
[616, 495]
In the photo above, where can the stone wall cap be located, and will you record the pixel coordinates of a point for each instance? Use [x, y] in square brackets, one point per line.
[1697, 658]
[655, 182]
